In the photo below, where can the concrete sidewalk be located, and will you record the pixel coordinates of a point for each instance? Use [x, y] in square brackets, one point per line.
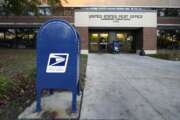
[131, 87]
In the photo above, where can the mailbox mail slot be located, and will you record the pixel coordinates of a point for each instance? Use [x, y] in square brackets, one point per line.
[58, 53]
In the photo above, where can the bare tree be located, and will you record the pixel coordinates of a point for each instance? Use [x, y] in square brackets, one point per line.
[56, 3]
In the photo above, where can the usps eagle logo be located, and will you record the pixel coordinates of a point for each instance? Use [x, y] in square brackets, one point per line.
[57, 63]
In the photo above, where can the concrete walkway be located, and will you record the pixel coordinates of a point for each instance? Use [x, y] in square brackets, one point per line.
[131, 87]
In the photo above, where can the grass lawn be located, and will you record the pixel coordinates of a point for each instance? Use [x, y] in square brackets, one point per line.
[167, 55]
[17, 80]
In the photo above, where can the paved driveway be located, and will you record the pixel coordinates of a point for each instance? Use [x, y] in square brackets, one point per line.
[131, 87]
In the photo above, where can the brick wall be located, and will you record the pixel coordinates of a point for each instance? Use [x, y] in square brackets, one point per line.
[139, 39]
[149, 38]
[168, 20]
[32, 19]
[84, 34]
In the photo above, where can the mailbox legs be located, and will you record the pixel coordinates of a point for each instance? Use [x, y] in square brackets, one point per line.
[74, 101]
[51, 91]
[38, 101]
[74, 98]
[78, 88]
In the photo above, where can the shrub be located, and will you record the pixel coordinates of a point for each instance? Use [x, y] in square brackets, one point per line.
[19, 87]
[163, 56]
[5, 85]
[32, 74]
[166, 56]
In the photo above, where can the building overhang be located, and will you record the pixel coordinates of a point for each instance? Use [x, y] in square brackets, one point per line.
[35, 22]
[28, 21]
[122, 6]
[124, 3]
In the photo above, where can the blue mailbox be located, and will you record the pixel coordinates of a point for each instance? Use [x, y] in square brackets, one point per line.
[58, 56]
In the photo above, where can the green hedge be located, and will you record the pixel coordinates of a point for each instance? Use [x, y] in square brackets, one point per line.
[166, 56]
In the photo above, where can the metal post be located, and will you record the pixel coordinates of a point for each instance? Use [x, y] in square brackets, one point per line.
[78, 88]
[51, 91]
[38, 99]
[74, 101]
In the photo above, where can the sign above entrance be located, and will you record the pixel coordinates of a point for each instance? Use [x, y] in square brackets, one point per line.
[115, 19]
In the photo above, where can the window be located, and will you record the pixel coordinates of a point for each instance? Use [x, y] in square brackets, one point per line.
[45, 11]
[169, 12]
[168, 39]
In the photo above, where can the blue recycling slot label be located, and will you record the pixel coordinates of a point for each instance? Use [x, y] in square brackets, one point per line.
[57, 63]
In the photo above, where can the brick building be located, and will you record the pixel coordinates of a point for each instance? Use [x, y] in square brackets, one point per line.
[137, 25]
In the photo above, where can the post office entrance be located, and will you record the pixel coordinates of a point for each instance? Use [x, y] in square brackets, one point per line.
[100, 40]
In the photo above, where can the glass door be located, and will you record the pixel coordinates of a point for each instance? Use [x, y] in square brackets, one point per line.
[98, 41]
[103, 42]
[126, 40]
[93, 43]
